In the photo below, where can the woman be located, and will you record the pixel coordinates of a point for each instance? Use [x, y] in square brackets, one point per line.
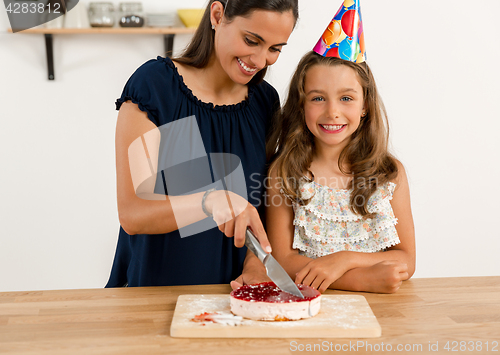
[218, 81]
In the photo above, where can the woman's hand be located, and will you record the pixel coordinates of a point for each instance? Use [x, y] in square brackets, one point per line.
[320, 273]
[233, 214]
[250, 278]
[254, 272]
[384, 277]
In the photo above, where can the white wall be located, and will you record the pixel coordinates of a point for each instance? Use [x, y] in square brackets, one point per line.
[435, 65]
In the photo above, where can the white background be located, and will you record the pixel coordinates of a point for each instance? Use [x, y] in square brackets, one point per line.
[436, 68]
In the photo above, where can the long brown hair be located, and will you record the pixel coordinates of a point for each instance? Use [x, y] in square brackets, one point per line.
[199, 50]
[290, 144]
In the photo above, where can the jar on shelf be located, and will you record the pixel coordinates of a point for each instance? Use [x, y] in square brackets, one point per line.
[101, 14]
[131, 14]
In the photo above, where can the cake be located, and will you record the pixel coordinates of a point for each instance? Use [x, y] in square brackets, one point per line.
[266, 301]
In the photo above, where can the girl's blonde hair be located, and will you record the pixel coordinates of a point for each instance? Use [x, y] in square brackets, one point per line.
[290, 144]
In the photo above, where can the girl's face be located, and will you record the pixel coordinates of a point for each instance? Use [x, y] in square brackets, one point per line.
[248, 44]
[333, 104]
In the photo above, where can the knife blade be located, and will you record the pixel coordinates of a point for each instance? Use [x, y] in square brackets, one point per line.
[274, 270]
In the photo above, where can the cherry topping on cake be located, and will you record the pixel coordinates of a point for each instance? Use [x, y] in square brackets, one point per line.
[269, 292]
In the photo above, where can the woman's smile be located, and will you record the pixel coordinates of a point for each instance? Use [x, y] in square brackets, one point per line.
[247, 69]
[246, 45]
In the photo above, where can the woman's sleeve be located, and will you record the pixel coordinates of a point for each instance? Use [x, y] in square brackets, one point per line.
[143, 88]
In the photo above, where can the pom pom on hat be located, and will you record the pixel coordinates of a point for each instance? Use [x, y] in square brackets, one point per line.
[344, 37]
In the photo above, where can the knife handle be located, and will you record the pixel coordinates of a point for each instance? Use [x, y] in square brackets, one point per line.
[253, 244]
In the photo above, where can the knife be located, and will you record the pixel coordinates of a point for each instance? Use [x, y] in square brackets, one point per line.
[274, 270]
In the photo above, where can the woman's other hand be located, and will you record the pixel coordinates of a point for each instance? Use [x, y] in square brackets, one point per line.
[249, 278]
[254, 272]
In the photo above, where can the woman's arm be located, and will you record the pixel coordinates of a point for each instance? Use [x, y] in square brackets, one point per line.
[141, 211]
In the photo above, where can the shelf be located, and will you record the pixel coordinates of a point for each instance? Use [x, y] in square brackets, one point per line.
[110, 30]
[167, 32]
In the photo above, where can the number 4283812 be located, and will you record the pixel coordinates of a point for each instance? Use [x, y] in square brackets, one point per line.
[471, 346]
[33, 8]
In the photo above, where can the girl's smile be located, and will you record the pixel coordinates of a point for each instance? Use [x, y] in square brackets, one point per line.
[332, 128]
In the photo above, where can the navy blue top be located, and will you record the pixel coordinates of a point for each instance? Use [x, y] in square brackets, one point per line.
[207, 257]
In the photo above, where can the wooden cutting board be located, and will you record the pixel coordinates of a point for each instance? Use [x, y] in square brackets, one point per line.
[341, 316]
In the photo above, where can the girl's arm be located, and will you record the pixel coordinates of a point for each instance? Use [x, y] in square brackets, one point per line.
[279, 217]
[279, 223]
[403, 252]
[141, 211]
[384, 277]
[373, 272]
[280, 230]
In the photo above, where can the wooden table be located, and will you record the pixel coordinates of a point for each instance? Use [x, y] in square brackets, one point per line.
[445, 314]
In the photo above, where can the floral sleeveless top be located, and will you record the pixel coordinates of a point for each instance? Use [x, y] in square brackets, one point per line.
[327, 225]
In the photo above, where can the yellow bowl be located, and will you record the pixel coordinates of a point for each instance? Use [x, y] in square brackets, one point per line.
[190, 17]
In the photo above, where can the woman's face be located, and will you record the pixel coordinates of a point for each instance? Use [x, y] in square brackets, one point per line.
[248, 44]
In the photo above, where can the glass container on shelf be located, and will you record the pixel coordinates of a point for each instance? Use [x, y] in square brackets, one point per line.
[131, 14]
[101, 14]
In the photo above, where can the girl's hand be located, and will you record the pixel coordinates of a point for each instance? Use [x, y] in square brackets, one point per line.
[233, 214]
[320, 273]
[385, 277]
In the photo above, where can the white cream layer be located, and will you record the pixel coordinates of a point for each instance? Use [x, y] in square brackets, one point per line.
[272, 311]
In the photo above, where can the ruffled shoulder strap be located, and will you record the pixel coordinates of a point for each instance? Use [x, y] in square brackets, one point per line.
[380, 200]
[303, 194]
[334, 204]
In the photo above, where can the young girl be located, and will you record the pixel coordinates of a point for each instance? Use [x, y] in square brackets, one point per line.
[336, 197]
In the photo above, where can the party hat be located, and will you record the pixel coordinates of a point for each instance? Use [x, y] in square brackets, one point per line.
[344, 37]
